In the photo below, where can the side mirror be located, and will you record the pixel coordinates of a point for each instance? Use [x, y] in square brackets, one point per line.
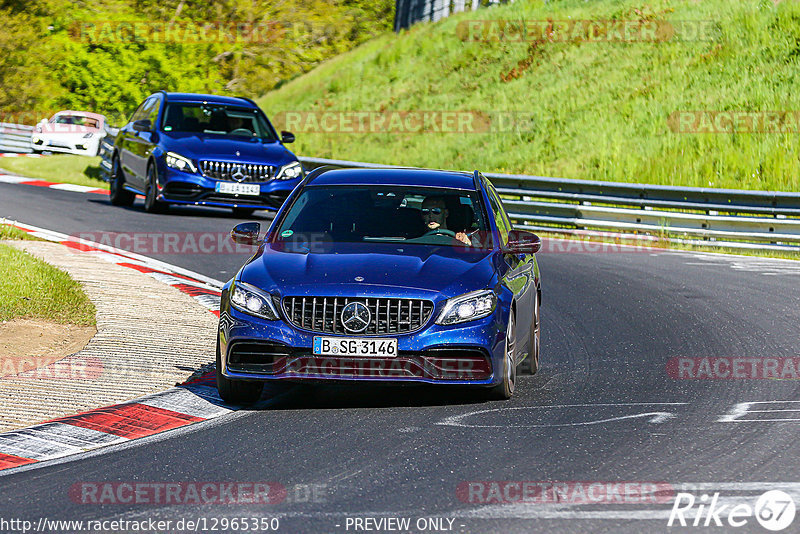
[142, 125]
[522, 242]
[287, 137]
[246, 233]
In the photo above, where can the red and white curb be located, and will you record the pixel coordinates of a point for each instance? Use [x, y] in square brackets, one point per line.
[192, 402]
[13, 179]
[202, 288]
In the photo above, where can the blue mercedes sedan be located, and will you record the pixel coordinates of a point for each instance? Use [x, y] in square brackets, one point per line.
[401, 275]
[205, 150]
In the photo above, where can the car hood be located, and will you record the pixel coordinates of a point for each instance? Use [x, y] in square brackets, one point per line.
[222, 148]
[66, 130]
[401, 270]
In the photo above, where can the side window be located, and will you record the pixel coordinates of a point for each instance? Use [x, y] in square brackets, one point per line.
[139, 113]
[499, 215]
[152, 111]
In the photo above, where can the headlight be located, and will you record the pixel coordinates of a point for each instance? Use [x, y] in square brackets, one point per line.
[176, 161]
[290, 171]
[250, 299]
[88, 135]
[468, 307]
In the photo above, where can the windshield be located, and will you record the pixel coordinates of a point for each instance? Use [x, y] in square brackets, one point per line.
[387, 214]
[217, 119]
[76, 120]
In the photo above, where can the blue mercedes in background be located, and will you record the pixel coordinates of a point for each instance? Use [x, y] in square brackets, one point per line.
[180, 148]
[401, 275]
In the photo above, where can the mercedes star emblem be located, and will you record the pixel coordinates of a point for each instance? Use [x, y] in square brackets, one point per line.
[238, 175]
[356, 317]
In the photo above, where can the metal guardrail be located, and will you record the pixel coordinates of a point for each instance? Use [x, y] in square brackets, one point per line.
[15, 138]
[714, 217]
[106, 150]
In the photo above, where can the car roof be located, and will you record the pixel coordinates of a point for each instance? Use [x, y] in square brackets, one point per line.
[80, 114]
[214, 99]
[409, 177]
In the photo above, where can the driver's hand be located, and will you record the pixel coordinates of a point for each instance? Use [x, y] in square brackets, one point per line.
[464, 238]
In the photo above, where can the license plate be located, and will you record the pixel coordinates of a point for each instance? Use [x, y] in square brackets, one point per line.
[354, 346]
[235, 188]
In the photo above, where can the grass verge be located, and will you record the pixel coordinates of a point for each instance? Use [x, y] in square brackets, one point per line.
[33, 289]
[61, 168]
[11, 232]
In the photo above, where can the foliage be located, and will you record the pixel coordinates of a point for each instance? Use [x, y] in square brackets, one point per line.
[33, 289]
[80, 55]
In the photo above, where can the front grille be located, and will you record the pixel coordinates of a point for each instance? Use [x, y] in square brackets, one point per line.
[237, 172]
[285, 362]
[388, 315]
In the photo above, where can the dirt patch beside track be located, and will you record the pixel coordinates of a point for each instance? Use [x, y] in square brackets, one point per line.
[30, 344]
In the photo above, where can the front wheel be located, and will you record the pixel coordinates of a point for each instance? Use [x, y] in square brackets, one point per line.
[118, 195]
[505, 389]
[236, 391]
[532, 361]
[151, 202]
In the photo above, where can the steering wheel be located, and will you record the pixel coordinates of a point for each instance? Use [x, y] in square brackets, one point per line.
[440, 231]
[241, 131]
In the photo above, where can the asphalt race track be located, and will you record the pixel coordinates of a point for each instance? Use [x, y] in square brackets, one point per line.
[603, 407]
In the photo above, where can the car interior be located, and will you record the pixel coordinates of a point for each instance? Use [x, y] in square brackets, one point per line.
[382, 217]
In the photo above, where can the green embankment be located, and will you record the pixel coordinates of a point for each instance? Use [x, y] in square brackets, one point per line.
[33, 289]
[64, 168]
[599, 110]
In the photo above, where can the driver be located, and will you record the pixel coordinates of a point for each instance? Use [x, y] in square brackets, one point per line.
[235, 123]
[434, 215]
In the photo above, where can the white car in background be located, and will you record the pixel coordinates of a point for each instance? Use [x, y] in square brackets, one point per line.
[73, 132]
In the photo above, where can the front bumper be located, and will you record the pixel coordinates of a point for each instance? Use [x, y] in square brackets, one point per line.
[465, 354]
[179, 187]
[67, 145]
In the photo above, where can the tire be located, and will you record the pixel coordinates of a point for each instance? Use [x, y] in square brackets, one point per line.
[243, 212]
[236, 391]
[505, 389]
[118, 195]
[151, 202]
[531, 364]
